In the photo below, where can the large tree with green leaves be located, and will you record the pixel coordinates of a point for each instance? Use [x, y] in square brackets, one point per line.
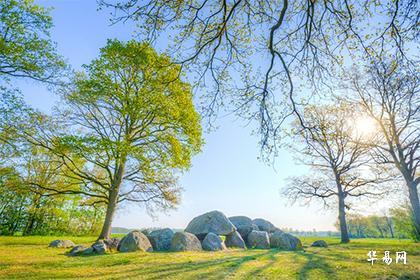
[26, 49]
[130, 127]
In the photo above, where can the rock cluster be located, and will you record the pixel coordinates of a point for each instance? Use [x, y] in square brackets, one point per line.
[98, 248]
[202, 233]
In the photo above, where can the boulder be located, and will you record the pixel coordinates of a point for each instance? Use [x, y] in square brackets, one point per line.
[112, 243]
[214, 221]
[146, 231]
[213, 242]
[62, 244]
[320, 243]
[185, 241]
[285, 241]
[135, 241]
[87, 251]
[77, 250]
[161, 239]
[258, 240]
[244, 225]
[264, 225]
[99, 247]
[235, 240]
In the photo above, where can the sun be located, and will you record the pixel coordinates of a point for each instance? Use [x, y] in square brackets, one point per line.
[364, 127]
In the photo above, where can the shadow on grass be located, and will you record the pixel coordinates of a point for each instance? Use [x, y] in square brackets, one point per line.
[216, 268]
[315, 262]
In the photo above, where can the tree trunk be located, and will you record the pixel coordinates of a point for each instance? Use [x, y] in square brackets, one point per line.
[113, 200]
[415, 207]
[342, 219]
[110, 211]
[390, 226]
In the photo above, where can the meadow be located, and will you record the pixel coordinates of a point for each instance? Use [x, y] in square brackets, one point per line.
[30, 258]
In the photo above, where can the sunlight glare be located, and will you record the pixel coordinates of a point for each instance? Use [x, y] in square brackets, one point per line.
[364, 127]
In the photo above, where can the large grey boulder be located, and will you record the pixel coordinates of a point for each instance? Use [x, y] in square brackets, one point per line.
[320, 243]
[214, 221]
[135, 241]
[258, 240]
[213, 242]
[235, 240]
[264, 225]
[62, 244]
[285, 241]
[185, 241]
[244, 225]
[161, 239]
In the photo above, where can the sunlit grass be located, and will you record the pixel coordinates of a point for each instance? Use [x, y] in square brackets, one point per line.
[30, 258]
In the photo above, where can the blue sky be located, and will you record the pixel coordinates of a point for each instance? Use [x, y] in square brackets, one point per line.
[226, 176]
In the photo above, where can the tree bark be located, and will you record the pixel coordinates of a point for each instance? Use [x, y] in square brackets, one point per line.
[415, 207]
[113, 200]
[342, 219]
[110, 211]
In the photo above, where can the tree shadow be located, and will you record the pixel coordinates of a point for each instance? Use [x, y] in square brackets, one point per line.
[204, 269]
[271, 255]
[314, 262]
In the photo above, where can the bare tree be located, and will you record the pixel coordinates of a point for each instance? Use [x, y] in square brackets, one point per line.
[257, 53]
[340, 162]
[389, 92]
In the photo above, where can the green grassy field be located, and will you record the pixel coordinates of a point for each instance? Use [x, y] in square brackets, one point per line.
[30, 258]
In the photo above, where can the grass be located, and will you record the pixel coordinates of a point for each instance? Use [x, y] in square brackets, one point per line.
[30, 258]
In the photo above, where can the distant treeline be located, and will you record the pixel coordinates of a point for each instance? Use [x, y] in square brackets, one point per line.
[398, 224]
[25, 212]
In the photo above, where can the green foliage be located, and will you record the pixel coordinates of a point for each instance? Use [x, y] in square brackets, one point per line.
[398, 224]
[26, 49]
[130, 111]
[26, 212]
[403, 221]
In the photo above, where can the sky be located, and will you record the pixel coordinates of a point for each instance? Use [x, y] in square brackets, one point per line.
[226, 176]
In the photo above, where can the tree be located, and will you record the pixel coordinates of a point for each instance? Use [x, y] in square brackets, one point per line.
[403, 221]
[261, 53]
[26, 49]
[388, 91]
[340, 162]
[27, 212]
[129, 126]
[357, 225]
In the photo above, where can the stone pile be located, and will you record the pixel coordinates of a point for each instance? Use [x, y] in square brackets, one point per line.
[99, 247]
[212, 231]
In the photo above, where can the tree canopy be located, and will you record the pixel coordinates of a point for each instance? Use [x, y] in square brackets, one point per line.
[127, 128]
[26, 49]
[261, 55]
